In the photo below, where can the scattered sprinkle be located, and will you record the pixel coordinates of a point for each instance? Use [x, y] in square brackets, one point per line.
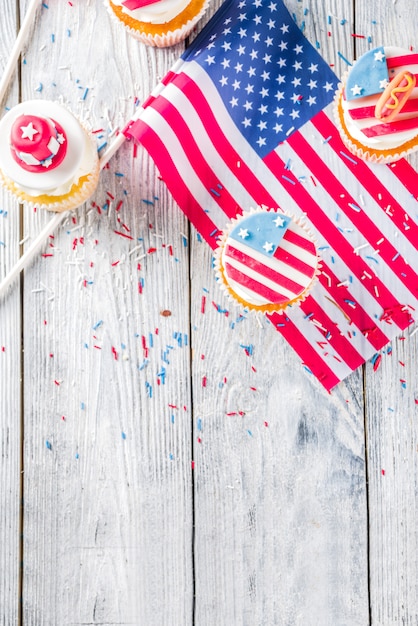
[344, 59]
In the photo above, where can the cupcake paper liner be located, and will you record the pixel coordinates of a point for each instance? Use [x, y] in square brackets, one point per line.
[69, 201]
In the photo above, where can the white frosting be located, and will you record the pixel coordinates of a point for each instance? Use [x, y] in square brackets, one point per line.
[80, 159]
[157, 13]
[354, 127]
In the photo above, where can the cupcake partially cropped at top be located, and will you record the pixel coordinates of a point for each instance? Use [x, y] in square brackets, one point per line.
[47, 158]
[267, 260]
[159, 23]
[376, 107]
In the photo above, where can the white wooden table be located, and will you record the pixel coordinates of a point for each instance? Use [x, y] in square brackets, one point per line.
[161, 465]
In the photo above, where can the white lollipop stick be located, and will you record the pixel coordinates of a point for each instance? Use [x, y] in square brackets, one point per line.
[18, 45]
[35, 246]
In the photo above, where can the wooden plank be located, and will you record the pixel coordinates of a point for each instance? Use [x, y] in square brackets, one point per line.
[10, 369]
[280, 484]
[108, 498]
[391, 409]
[392, 436]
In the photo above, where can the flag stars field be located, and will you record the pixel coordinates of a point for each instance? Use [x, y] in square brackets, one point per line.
[227, 55]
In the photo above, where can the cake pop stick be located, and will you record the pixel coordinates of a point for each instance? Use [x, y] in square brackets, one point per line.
[18, 45]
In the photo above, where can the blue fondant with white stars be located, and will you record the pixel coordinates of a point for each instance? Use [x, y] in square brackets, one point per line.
[369, 75]
[262, 232]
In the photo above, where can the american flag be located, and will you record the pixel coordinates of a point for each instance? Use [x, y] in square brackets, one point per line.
[244, 119]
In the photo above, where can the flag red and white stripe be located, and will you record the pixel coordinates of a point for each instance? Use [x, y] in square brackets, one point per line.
[363, 216]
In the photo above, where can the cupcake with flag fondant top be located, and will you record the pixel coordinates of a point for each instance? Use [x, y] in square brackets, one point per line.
[267, 260]
[377, 105]
[158, 23]
[47, 158]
